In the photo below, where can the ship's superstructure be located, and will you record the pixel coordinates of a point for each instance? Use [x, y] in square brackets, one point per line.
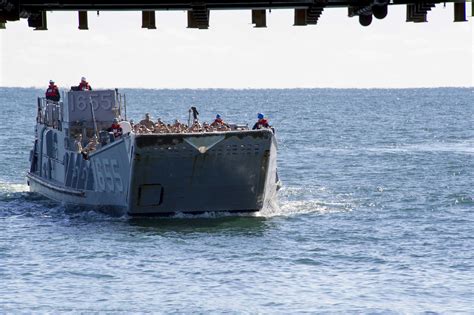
[75, 160]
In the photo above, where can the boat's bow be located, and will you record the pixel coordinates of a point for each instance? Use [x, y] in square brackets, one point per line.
[228, 171]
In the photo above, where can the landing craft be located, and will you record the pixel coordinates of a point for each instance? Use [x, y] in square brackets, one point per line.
[147, 174]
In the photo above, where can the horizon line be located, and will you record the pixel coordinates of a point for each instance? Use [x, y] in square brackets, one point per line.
[255, 88]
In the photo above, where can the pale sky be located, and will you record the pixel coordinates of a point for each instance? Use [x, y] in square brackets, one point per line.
[337, 53]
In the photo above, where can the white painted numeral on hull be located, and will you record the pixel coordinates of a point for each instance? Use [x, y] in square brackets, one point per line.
[108, 175]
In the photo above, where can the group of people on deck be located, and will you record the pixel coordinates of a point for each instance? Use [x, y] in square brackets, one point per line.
[148, 126]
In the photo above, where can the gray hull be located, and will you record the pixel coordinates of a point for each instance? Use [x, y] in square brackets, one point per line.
[156, 174]
[146, 174]
[235, 173]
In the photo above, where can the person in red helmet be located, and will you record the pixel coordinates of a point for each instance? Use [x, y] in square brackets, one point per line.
[52, 92]
[84, 85]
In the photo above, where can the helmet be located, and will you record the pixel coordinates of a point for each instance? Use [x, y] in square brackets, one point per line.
[83, 79]
[260, 116]
[218, 116]
[51, 82]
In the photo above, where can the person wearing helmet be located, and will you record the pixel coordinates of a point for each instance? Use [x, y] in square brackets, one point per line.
[84, 85]
[116, 129]
[218, 122]
[52, 92]
[261, 123]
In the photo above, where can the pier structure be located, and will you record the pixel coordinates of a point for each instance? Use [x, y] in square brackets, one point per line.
[306, 12]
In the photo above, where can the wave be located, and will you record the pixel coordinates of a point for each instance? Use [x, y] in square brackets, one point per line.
[17, 200]
[306, 200]
[11, 188]
[462, 147]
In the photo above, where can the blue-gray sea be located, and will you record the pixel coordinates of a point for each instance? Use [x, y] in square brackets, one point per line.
[376, 214]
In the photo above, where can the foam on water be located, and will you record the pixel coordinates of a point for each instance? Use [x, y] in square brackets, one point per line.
[295, 201]
[12, 188]
[12, 195]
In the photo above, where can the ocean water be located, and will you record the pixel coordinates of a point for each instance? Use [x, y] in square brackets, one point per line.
[376, 214]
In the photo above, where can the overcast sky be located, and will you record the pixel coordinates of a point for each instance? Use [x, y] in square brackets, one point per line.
[338, 52]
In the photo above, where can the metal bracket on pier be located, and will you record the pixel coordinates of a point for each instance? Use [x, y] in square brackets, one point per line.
[259, 18]
[300, 17]
[148, 20]
[3, 21]
[83, 24]
[417, 13]
[38, 21]
[198, 17]
[309, 16]
[460, 12]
